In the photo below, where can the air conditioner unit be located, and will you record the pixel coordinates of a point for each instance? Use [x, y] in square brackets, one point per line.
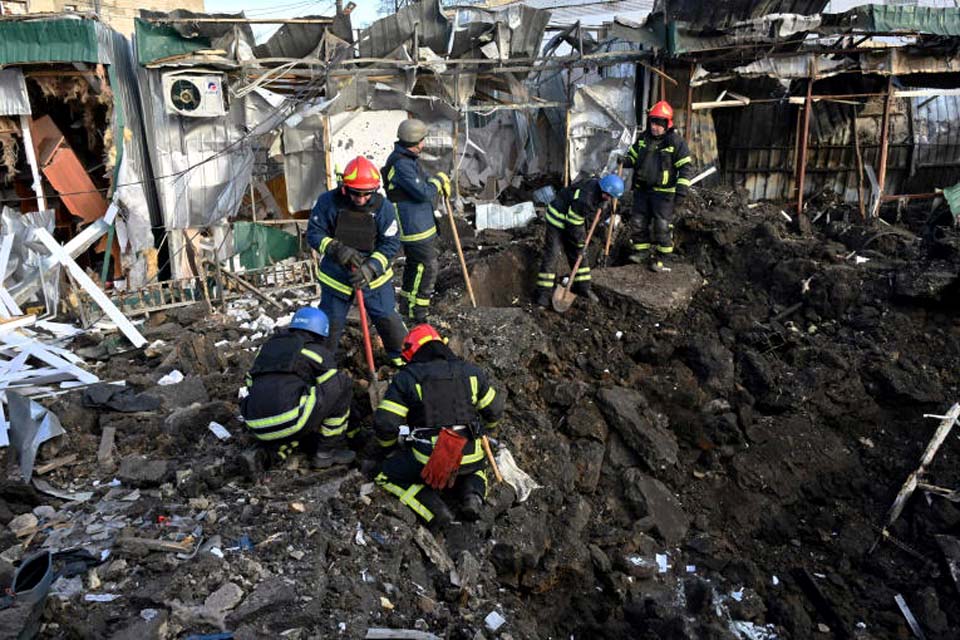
[194, 95]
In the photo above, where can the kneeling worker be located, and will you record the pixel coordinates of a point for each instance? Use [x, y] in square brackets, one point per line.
[447, 404]
[296, 399]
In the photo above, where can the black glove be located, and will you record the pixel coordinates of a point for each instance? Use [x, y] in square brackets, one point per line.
[345, 255]
[363, 276]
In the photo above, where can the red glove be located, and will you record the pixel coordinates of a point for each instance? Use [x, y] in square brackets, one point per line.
[440, 472]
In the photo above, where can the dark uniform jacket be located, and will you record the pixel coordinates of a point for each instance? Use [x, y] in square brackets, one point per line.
[435, 390]
[661, 164]
[574, 206]
[371, 229]
[408, 187]
[286, 384]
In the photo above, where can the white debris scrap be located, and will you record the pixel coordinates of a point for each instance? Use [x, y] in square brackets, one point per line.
[219, 430]
[174, 377]
[494, 621]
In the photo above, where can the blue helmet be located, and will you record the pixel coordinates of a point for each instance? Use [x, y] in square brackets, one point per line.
[612, 185]
[311, 319]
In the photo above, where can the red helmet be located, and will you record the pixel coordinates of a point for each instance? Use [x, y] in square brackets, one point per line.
[664, 111]
[361, 175]
[418, 336]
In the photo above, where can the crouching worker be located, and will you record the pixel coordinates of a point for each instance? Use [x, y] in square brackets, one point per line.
[297, 400]
[447, 404]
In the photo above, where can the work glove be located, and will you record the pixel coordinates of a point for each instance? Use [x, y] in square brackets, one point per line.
[440, 472]
[345, 255]
[442, 182]
[363, 276]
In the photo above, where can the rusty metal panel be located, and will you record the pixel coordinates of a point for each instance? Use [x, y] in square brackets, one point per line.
[65, 172]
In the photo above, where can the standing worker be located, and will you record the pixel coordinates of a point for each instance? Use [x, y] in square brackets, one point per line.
[296, 398]
[414, 194]
[448, 404]
[662, 169]
[355, 229]
[567, 217]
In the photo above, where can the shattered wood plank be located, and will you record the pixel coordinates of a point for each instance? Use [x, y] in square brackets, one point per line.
[37, 350]
[56, 463]
[380, 633]
[8, 306]
[136, 544]
[105, 450]
[77, 245]
[252, 289]
[939, 436]
[432, 549]
[95, 292]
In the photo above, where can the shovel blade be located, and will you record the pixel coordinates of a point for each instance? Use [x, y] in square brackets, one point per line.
[376, 391]
[562, 299]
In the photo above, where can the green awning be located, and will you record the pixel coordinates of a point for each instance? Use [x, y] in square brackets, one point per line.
[260, 245]
[878, 18]
[158, 41]
[952, 194]
[48, 40]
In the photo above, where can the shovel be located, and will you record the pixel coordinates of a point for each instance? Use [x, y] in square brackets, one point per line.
[377, 388]
[562, 296]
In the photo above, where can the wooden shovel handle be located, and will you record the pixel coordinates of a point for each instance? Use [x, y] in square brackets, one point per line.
[586, 245]
[485, 442]
[456, 241]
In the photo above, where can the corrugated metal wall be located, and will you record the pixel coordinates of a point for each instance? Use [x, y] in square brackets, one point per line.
[758, 146]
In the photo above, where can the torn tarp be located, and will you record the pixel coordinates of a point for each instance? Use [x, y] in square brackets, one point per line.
[31, 424]
[602, 122]
[493, 215]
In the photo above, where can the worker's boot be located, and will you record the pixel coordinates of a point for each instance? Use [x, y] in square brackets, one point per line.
[471, 507]
[583, 289]
[442, 516]
[326, 458]
[544, 296]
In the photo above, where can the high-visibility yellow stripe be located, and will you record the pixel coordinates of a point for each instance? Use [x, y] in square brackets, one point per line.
[311, 355]
[323, 377]
[382, 259]
[421, 457]
[394, 407]
[665, 249]
[305, 409]
[682, 161]
[385, 278]
[386, 443]
[333, 283]
[641, 246]
[407, 496]
[665, 189]
[666, 177]
[419, 389]
[324, 243]
[474, 384]
[476, 456]
[423, 235]
[683, 181]
[487, 398]
[555, 218]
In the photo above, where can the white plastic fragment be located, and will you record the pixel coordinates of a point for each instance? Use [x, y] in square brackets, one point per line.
[775, 581]
[219, 430]
[149, 614]
[784, 214]
[101, 597]
[359, 539]
[737, 595]
[619, 334]
[861, 260]
[494, 621]
[662, 562]
[174, 377]
[691, 568]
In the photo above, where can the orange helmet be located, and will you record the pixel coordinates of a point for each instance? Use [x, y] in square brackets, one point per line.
[664, 111]
[361, 175]
[418, 336]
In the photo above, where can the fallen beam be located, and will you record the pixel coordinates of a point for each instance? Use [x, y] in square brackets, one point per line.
[252, 289]
[939, 436]
[63, 257]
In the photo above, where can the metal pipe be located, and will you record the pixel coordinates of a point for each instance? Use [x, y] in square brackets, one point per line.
[884, 135]
[802, 163]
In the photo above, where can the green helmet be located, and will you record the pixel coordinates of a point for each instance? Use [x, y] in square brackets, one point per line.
[412, 131]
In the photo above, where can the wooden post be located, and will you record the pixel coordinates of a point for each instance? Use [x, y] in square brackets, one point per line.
[859, 157]
[884, 138]
[566, 150]
[687, 125]
[253, 204]
[327, 157]
[802, 160]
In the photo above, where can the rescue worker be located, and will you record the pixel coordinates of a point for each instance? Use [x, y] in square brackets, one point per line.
[567, 219]
[296, 398]
[448, 404]
[414, 194]
[662, 168]
[355, 229]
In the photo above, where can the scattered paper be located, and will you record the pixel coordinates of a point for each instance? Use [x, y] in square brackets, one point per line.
[494, 621]
[219, 430]
[101, 597]
[174, 377]
[662, 562]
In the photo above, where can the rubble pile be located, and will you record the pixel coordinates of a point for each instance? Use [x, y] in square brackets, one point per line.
[716, 449]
